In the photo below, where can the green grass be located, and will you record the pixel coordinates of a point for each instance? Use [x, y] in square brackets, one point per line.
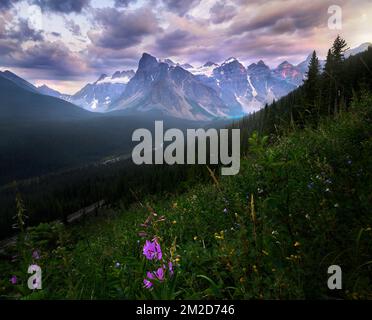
[296, 207]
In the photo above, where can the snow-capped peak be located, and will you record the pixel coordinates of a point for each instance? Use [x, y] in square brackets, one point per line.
[187, 66]
[122, 80]
[210, 64]
[102, 76]
[204, 70]
[117, 78]
[169, 62]
[230, 60]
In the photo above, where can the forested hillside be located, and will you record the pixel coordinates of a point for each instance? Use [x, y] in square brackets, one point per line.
[325, 93]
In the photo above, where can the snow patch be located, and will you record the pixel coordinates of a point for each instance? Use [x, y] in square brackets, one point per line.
[254, 91]
[229, 61]
[107, 100]
[203, 71]
[94, 104]
[121, 80]
[249, 106]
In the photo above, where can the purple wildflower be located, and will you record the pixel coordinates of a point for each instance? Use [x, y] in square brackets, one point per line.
[225, 210]
[150, 275]
[160, 274]
[14, 279]
[152, 250]
[147, 283]
[149, 250]
[158, 252]
[170, 268]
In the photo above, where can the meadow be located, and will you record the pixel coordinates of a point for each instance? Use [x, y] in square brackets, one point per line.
[301, 202]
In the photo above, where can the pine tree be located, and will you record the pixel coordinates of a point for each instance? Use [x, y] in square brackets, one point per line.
[327, 86]
[312, 84]
[338, 49]
[265, 118]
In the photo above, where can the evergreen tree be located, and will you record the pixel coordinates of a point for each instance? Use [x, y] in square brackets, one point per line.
[312, 85]
[328, 80]
[265, 118]
[338, 49]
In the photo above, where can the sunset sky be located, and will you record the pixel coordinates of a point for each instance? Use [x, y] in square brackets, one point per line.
[67, 43]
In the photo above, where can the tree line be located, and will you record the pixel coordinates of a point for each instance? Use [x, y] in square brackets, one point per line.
[324, 93]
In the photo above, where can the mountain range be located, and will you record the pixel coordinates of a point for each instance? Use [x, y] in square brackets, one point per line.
[207, 92]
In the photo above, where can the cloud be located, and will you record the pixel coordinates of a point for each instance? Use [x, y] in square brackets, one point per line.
[124, 3]
[222, 12]
[192, 31]
[123, 29]
[63, 6]
[7, 4]
[54, 58]
[294, 15]
[73, 27]
[173, 43]
[3, 23]
[23, 32]
[7, 46]
[181, 7]
[56, 34]
[269, 31]
[106, 60]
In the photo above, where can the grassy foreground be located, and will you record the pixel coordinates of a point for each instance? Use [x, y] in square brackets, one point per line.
[298, 205]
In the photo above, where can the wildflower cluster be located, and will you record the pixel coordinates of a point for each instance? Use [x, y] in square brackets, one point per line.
[153, 252]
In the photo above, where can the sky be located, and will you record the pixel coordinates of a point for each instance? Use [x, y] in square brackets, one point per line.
[68, 43]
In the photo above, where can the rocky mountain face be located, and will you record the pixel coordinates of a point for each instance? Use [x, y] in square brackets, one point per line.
[99, 95]
[206, 92]
[289, 73]
[246, 90]
[171, 90]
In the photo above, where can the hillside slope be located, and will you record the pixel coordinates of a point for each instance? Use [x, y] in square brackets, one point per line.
[20, 104]
[271, 232]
